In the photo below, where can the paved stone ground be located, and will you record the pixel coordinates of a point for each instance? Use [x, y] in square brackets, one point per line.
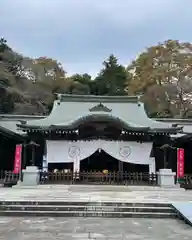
[93, 229]
[96, 193]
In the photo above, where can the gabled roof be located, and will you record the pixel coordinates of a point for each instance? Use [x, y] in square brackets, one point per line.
[16, 117]
[71, 110]
[182, 122]
[8, 124]
[10, 129]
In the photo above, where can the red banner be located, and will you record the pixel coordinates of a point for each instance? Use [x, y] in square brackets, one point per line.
[18, 156]
[180, 162]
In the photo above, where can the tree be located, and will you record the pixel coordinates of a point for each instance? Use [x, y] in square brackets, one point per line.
[80, 84]
[9, 67]
[6, 101]
[3, 45]
[76, 84]
[47, 69]
[112, 78]
[168, 66]
[10, 62]
[81, 78]
[49, 74]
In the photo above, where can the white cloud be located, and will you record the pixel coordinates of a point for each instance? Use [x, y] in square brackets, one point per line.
[65, 12]
[81, 33]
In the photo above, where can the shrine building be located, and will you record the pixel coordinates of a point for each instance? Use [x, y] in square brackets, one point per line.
[94, 133]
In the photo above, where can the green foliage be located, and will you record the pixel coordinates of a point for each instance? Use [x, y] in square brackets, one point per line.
[6, 102]
[3, 45]
[112, 78]
[162, 74]
[79, 84]
[166, 66]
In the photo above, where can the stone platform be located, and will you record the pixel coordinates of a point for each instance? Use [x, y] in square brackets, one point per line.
[96, 193]
[99, 193]
[87, 209]
[94, 228]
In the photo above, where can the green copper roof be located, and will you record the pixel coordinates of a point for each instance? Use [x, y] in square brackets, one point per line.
[96, 98]
[71, 110]
[9, 128]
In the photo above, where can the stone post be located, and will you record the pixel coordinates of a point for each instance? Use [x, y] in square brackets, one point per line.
[166, 178]
[31, 176]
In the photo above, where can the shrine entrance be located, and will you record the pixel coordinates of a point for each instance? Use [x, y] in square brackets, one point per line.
[100, 161]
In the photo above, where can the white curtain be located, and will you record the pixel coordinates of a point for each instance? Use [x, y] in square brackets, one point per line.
[132, 152]
[75, 151]
[70, 151]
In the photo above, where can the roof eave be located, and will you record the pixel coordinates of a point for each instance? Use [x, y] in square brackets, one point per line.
[26, 126]
[12, 134]
[168, 130]
[125, 126]
[72, 127]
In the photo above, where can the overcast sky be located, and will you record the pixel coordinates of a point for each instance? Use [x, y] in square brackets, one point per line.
[82, 33]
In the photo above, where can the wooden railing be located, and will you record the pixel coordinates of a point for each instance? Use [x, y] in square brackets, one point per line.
[8, 178]
[92, 177]
[97, 177]
[187, 184]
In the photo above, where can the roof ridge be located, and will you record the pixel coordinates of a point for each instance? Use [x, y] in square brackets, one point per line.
[97, 98]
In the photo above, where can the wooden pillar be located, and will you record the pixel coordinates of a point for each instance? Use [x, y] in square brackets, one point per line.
[24, 154]
[120, 166]
[33, 156]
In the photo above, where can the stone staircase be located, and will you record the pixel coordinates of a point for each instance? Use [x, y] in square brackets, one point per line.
[86, 209]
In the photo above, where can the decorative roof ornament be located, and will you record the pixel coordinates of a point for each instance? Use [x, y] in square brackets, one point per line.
[139, 99]
[23, 121]
[100, 108]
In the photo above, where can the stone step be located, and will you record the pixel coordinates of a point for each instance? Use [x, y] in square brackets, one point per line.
[88, 214]
[84, 203]
[88, 208]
